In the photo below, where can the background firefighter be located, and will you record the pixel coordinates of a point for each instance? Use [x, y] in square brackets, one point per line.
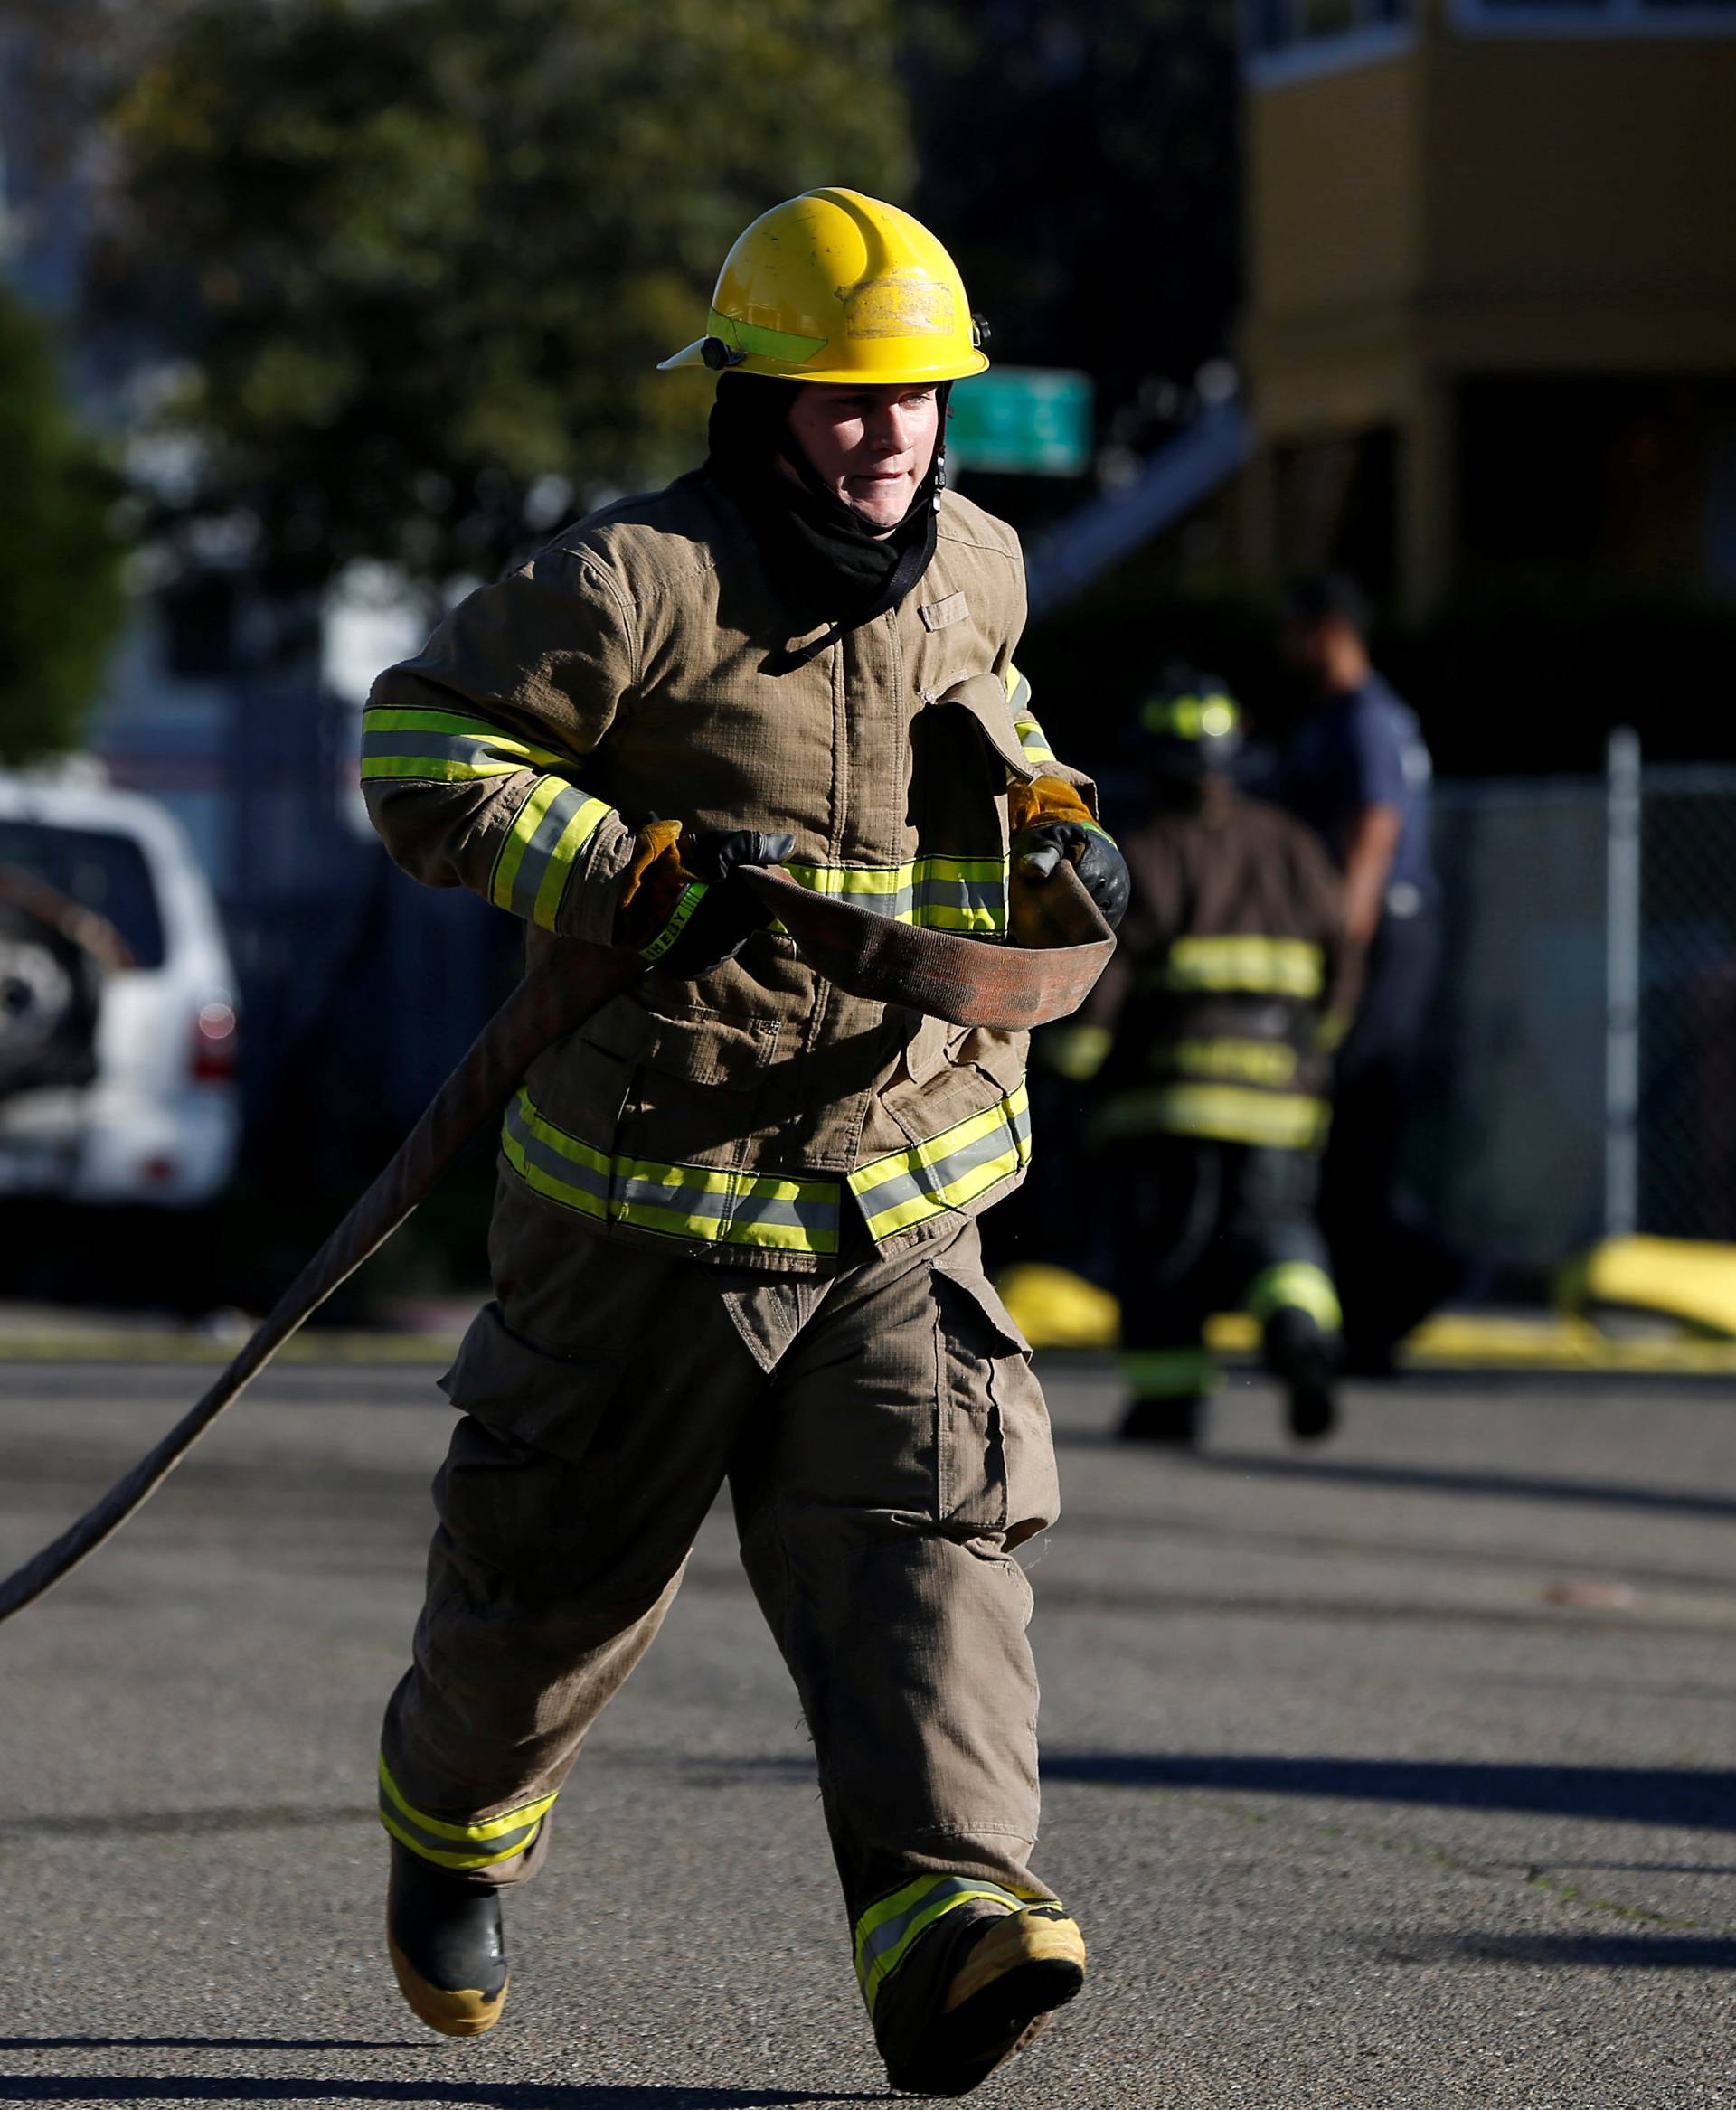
[732, 1237]
[1210, 1036]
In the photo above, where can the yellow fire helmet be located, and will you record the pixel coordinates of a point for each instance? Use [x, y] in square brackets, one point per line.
[835, 287]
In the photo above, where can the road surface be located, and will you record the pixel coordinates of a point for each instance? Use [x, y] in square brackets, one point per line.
[1396, 1773]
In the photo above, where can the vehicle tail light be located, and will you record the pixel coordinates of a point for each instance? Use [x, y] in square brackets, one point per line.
[215, 1043]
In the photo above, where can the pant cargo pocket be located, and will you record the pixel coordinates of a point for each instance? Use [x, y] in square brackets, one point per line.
[996, 1456]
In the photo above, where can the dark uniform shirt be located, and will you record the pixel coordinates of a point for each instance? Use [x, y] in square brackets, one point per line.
[1363, 748]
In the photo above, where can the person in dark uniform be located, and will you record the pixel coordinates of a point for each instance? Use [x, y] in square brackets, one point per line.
[1208, 1037]
[1357, 771]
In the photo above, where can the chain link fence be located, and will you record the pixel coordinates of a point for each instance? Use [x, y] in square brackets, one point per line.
[1582, 1073]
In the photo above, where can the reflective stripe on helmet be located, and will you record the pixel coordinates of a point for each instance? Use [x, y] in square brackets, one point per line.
[840, 287]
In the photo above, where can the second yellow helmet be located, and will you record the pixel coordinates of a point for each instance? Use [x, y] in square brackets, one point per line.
[836, 286]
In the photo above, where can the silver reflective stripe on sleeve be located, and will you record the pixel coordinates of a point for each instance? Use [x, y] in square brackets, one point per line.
[536, 855]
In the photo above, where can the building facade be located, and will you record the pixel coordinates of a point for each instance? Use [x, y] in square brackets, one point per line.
[1491, 314]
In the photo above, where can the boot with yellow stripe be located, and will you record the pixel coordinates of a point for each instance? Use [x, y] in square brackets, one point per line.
[960, 1974]
[447, 1945]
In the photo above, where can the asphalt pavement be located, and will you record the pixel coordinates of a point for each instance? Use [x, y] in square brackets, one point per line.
[1396, 1772]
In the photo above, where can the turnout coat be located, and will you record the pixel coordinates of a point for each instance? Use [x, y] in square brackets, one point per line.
[640, 665]
[1233, 982]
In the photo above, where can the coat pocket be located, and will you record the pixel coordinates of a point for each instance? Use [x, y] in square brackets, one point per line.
[995, 1454]
[699, 1047]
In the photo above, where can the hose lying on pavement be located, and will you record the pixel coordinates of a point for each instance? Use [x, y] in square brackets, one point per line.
[1006, 987]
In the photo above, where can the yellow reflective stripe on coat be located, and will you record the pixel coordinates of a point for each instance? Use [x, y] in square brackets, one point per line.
[888, 1931]
[1297, 1285]
[536, 854]
[1271, 1062]
[1260, 967]
[1032, 736]
[445, 747]
[458, 1846]
[700, 1203]
[1169, 1373]
[1221, 1113]
[934, 893]
[910, 1186]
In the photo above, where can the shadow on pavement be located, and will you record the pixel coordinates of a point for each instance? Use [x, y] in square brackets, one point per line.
[210, 2044]
[1681, 1502]
[203, 1823]
[1613, 1794]
[506, 2096]
[1590, 1951]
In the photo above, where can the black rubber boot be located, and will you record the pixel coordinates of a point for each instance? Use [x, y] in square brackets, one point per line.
[1301, 1356]
[975, 1989]
[447, 1945]
[1174, 1422]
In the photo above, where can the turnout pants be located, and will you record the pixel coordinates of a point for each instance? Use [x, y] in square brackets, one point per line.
[1212, 1227]
[885, 1445]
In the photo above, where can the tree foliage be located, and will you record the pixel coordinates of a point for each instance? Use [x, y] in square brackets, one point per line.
[434, 249]
[61, 600]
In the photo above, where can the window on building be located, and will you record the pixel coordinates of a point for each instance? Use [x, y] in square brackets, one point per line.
[1303, 35]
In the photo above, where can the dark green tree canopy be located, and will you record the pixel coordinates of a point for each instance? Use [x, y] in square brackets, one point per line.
[432, 250]
[61, 600]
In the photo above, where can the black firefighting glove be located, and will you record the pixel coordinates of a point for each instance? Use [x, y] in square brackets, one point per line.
[1037, 850]
[711, 919]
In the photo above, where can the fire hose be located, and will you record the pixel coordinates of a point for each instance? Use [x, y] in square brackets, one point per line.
[1006, 987]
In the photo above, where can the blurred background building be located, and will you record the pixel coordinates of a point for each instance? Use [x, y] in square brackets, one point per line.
[1491, 304]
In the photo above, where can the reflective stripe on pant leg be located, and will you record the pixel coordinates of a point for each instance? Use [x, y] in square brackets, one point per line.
[1296, 1286]
[888, 1930]
[1169, 1373]
[458, 1846]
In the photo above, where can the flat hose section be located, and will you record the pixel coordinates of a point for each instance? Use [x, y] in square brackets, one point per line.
[967, 981]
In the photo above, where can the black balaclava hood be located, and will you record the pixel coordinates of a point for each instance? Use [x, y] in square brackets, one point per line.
[830, 563]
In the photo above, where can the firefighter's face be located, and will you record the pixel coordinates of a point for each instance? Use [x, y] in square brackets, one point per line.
[870, 447]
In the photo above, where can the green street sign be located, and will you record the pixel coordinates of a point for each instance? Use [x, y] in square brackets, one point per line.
[1026, 420]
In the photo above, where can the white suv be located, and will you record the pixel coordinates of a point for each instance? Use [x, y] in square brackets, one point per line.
[159, 1119]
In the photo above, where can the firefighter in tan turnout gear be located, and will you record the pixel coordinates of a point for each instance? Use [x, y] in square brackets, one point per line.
[1210, 1038]
[732, 1239]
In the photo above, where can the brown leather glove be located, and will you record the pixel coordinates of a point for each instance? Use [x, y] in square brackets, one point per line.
[680, 911]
